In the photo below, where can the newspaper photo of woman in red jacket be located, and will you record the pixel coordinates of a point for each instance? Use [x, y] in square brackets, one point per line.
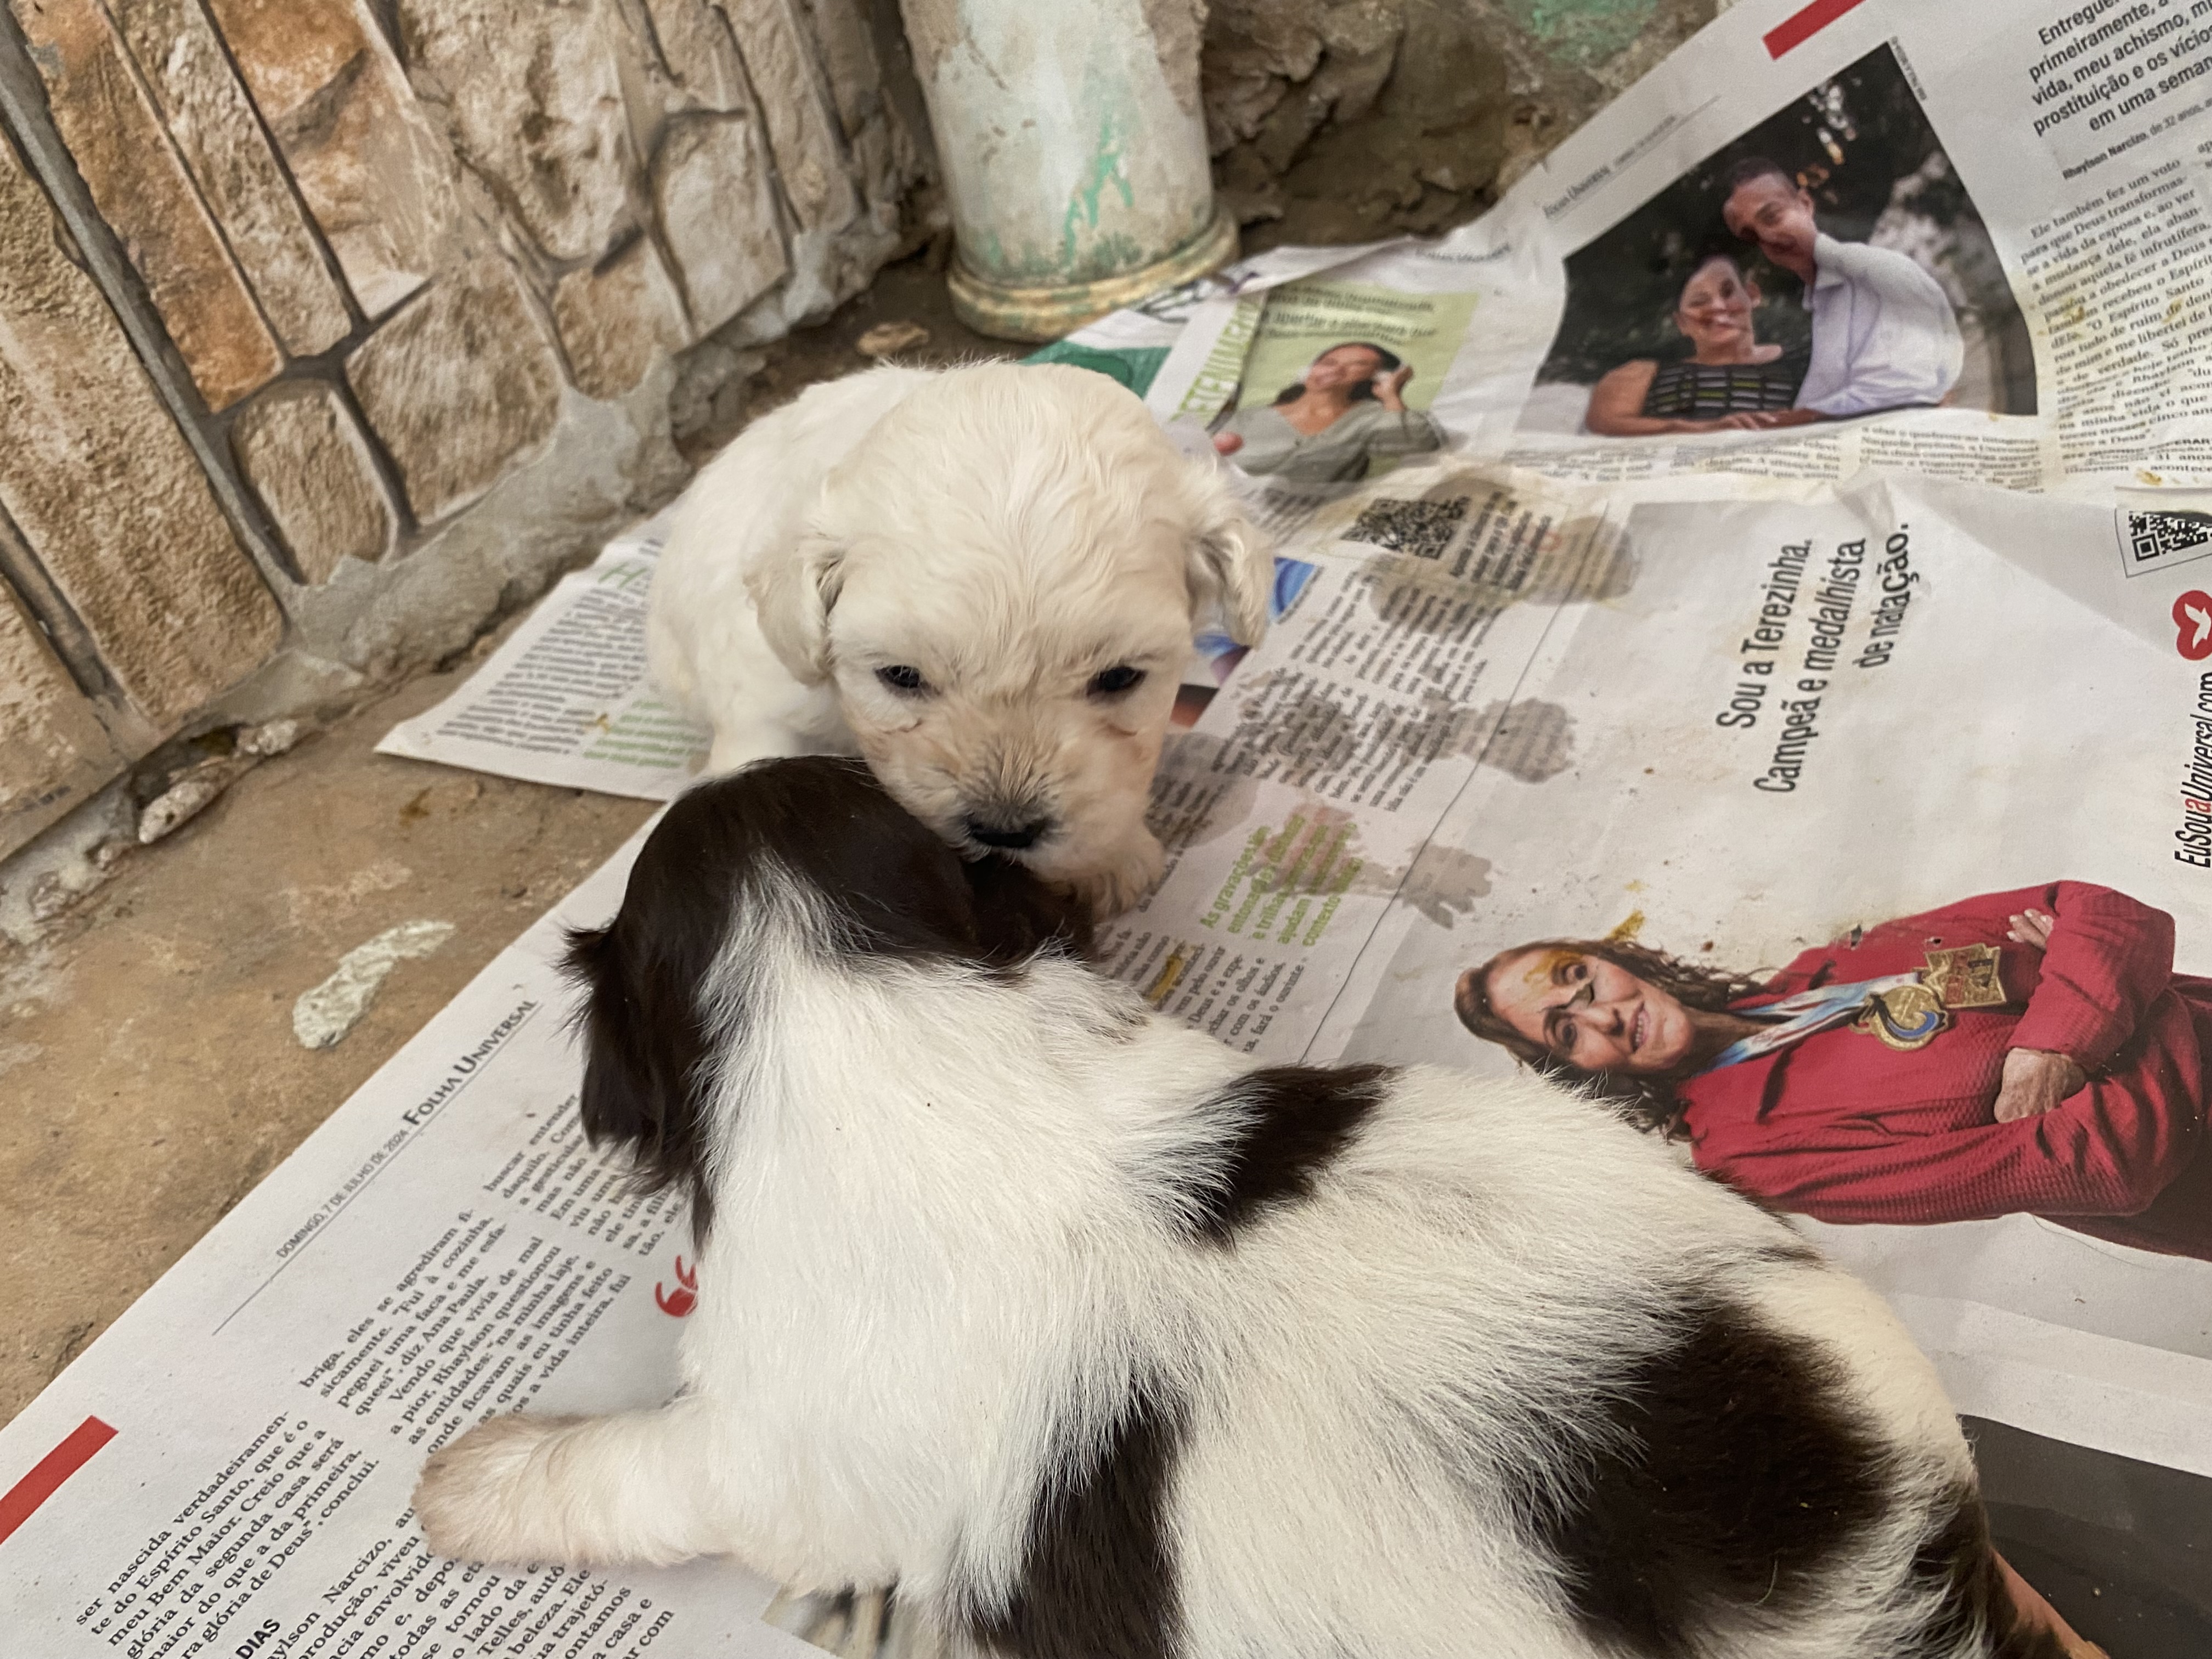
[2031, 1051]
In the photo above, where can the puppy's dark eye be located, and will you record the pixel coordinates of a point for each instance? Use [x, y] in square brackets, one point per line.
[1113, 681]
[900, 677]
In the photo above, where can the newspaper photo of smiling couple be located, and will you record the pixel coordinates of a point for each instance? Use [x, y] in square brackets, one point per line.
[1826, 265]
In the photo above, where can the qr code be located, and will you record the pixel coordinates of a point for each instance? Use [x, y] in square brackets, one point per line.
[1423, 529]
[2157, 537]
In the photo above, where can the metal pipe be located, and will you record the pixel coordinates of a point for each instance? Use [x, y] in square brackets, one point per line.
[1074, 149]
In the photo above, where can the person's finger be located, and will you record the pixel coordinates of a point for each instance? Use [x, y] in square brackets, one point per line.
[2021, 1093]
[2036, 1613]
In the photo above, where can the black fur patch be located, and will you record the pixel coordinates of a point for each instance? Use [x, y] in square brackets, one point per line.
[1788, 1254]
[1295, 1121]
[1098, 1577]
[896, 889]
[1733, 1474]
[1017, 915]
[1961, 1560]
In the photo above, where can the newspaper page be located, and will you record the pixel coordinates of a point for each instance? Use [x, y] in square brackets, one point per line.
[566, 698]
[1314, 773]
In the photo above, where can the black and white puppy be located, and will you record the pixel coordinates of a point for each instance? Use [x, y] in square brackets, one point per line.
[1099, 1342]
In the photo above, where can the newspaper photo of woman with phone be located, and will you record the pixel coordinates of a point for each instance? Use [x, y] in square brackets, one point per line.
[1330, 427]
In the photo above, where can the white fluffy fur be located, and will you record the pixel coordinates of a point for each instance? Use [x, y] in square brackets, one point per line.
[940, 1236]
[1008, 531]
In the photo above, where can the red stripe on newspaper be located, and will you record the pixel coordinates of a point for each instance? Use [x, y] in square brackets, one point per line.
[1802, 26]
[21, 1500]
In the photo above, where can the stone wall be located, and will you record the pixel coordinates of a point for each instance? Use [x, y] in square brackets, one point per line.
[328, 328]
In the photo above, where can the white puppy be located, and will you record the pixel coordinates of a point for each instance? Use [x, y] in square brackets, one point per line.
[984, 580]
[1099, 1342]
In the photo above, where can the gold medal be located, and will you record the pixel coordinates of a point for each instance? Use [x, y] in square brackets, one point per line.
[1910, 1016]
[1905, 1017]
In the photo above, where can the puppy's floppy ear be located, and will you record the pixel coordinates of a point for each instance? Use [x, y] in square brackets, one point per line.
[643, 1051]
[793, 594]
[1231, 562]
[617, 1103]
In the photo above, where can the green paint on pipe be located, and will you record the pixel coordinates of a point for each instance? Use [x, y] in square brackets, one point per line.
[1105, 169]
[1584, 32]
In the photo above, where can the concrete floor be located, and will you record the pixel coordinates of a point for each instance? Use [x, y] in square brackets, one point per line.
[147, 1056]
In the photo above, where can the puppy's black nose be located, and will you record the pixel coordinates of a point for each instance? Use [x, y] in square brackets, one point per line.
[1009, 839]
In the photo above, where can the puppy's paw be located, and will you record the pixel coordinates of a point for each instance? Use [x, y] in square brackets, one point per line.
[476, 1498]
[1118, 885]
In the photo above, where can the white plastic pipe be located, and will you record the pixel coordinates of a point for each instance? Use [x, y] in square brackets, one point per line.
[1073, 147]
